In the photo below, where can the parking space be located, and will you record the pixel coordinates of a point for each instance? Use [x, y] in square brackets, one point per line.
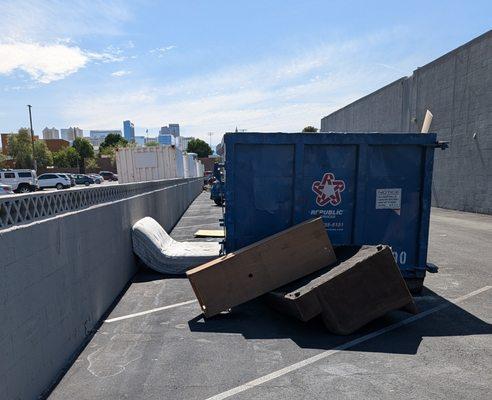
[155, 343]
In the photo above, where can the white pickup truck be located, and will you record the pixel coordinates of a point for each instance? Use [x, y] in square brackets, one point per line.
[21, 180]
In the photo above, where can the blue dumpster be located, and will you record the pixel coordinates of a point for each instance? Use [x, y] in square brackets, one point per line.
[369, 189]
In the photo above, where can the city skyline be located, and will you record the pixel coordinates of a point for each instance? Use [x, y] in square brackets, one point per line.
[88, 133]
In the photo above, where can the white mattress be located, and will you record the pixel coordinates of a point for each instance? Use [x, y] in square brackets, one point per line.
[159, 251]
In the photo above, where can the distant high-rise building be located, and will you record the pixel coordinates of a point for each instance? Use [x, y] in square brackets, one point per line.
[71, 133]
[219, 149]
[166, 139]
[174, 129]
[52, 133]
[164, 131]
[78, 132]
[101, 134]
[151, 140]
[67, 134]
[140, 140]
[96, 142]
[183, 142]
[129, 130]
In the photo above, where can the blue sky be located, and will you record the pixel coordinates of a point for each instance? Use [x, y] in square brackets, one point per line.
[213, 65]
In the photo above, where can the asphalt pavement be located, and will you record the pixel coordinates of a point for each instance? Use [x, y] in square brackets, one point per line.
[155, 343]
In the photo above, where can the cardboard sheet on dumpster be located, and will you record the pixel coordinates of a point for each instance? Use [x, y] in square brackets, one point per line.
[262, 266]
[214, 233]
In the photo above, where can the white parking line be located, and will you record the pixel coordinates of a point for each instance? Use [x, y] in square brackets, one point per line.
[153, 310]
[325, 354]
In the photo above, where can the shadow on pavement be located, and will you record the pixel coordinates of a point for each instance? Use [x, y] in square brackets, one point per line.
[255, 320]
[145, 274]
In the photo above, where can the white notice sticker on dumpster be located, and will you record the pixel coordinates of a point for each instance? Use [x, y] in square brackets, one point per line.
[388, 199]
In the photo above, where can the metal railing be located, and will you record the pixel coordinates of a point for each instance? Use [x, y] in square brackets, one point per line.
[24, 208]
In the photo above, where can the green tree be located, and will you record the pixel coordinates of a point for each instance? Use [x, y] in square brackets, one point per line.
[84, 149]
[60, 159]
[114, 140]
[110, 144]
[66, 158]
[108, 152]
[20, 148]
[310, 128]
[42, 154]
[3, 159]
[151, 144]
[200, 147]
[72, 157]
[92, 164]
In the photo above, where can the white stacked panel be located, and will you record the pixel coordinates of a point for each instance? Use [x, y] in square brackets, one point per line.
[192, 160]
[199, 168]
[180, 167]
[146, 163]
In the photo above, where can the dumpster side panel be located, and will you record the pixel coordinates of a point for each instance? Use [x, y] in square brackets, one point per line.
[368, 188]
[328, 185]
[263, 191]
[425, 200]
[393, 189]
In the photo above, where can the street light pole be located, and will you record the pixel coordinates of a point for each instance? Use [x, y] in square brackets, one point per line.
[34, 164]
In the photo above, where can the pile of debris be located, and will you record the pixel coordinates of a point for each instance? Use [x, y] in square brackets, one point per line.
[301, 275]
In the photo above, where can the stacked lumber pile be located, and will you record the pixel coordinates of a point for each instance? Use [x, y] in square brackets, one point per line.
[298, 271]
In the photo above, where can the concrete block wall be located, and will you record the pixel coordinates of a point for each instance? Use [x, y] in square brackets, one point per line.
[457, 89]
[378, 112]
[59, 276]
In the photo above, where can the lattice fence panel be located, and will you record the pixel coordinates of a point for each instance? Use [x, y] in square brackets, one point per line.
[23, 208]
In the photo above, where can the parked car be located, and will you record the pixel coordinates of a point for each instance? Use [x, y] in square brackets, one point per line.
[20, 180]
[207, 176]
[217, 192]
[108, 176]
[83, 179]
[5, 190]
[59, 181]
[97, 178]
[71, 177]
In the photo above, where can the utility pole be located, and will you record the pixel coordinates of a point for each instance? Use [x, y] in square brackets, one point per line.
[34, 163]
[210, 134]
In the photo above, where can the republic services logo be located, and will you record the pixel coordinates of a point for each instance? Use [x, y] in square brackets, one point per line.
[328, 190]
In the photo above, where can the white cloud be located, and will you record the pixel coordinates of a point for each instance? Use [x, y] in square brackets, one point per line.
[275, 94]
[44, 63]
[160, 51]
[37, 36]
[120, 73]
[105, 57]
[49, 62]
